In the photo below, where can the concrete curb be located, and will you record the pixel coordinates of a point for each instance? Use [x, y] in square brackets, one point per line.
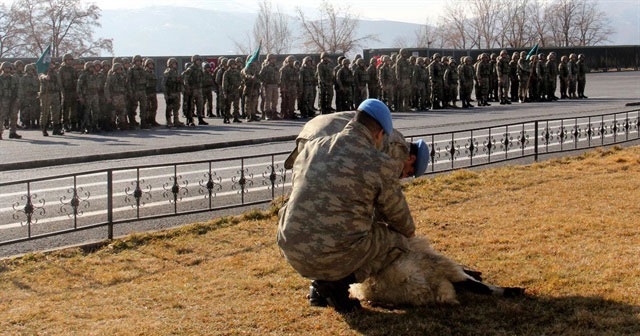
[140, 153]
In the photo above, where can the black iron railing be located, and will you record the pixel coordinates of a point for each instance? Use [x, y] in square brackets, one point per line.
[52, 206]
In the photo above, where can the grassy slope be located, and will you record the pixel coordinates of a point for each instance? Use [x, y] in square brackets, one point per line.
[566, 229]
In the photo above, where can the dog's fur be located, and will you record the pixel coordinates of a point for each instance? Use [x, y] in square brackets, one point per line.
[423, 276]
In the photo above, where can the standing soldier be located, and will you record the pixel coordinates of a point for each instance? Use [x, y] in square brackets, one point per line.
[387, 81]
[374, 81]
[152, 97]
[187, 98]
[344, 83]
[563, 73]
[467, 79]
[503, 70]
[69, 79]
[533, 79]
[582, 76]
[193, 84]
[172, 88]
[50, 89]
[9, 99]
[220, 100]
[251, 90]
[208, 86]
[137, 80]
[541, 71]
[269, 75]
[573, 75]
[102, 69]
[308, 79]
[288, 88]
[483, 75]
[325, 83]
[452, 77]
[552, 76]
[18, 73]
[493, 78]
[87, 89]
[524, 72]
[28, 96]
[232, 86]
[404, 71]
[421, 76]
[513, 76]
[436, 79]
[338, 93]
[115, 94]
[360, 80]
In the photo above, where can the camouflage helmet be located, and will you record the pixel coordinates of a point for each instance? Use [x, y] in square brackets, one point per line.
[523, 54]
[195, 58]
[6, 66]
[515, 55]
[137, 58]
[445, 59]
[436, 55]
[223, 61]
[360, 61]
[541, 55]
[340, 58]
[88, 65]
[290, 59]
[148, 62]
[572, 56]
[373, 61]
[581, 56]
[67, 57]
[271, 57]
[97, 63]
[206, 65]
[345, 61]
[231, 61]
[404, 52]
[125, 61]
[117, 66]
[306, 59]
[386, 58]
[18, 64]
[31, 67]
[564, 58]
[323, 55]
[116, 60]
[171, 60]
[105, 64]
[503, 52]
[468, 59]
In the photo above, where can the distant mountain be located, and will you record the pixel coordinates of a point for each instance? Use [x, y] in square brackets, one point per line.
[161, 31]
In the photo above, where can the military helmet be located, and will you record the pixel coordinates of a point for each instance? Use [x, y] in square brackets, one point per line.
[88, 65]
[572, 56]
[137, 58]
[541, 55]
[149, 61]
[503, 52]
[436, 55]
[385, 58]
[231, 61]
[116, 60]
[105, 64]
[171, 60]
[323, 55]
[340, 58]
[306, 59]
[404, 52]
[468, 59]
[29, 67]
[581, 56]
[97, 63]
[373, 61]
[67, 57]
[206, 65]
[360, 61]
[125, 61]
[515, 55]
[6, 66]
[345, 61]
[117, 66]
[523, 54]
[564, 58]
[18, 64]
[445, 59]
[195, 58]
[290, 59]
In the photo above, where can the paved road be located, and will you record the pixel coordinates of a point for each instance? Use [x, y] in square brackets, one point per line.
[608, 92]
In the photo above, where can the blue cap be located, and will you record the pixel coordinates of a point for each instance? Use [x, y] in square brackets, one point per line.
[422, 158]
[378, 111]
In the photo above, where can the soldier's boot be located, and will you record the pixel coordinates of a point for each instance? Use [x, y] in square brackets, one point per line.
[201, 121]
[336, 294]
[236, 120]
[44, 131]
[57, 129]
[169, 123]
[315, 299]
[14, 135]
[177, 122]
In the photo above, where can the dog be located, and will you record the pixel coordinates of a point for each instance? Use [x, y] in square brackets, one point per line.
[423, 276]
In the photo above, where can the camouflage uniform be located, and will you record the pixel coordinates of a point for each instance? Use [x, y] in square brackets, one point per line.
[193, 80]
[563, 73]
[115, 93]
[137, 80]
[451, 78]
[152, 95]
[232, 86]
[503, 69]
[373, 84]
[404, 70]
[50, 89]
[421, 77]
[172, 89]
[581, 75]
[483, 75]
[309, 80]
[467, 78]
[573, 75]
[269, 75]
[552, 76]
[327, 230]
[513, 76]
[541, 71]
[251, 90]
[28, 96]
[69, 79]
[436, 79]
[344, 83]
[533, 79]
[88, 90]
[524, 72]
[360, 80]
[387, 82]
[288, 88]
[220, 99]
[325, 82]
[493, 77]
[9, 99]
[208, 86]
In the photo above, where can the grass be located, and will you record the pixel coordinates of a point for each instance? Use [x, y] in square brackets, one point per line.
[565, 229]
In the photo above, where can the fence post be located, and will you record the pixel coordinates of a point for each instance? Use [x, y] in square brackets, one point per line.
[109, 204]
[535, 142]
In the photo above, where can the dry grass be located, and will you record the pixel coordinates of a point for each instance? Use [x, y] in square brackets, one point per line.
[566, 229]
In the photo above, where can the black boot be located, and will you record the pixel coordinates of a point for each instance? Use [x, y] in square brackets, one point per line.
[315, 299]
[336, 293]
[202, 122]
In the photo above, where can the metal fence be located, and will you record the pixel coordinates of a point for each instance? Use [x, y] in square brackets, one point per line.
[52, 206]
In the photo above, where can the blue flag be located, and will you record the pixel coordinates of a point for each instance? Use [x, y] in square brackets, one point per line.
[254, 56]
[42, 64]
[533, 51]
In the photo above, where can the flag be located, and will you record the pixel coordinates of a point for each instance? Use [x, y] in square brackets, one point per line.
[533, 51]
[254, 56]
[42, 64]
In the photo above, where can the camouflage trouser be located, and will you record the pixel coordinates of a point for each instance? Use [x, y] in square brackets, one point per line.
[8, 110]
[289, 96]
[523, 91]
[271, 99]
[198, 100]
[152, 107]
[421, 95]
[453, 93]
[503, 84]
[404, 95]
[388, 91]
[232, 99]
[515, 87]
[465, 91]
[92, 114]
[119, 116]
[484, 88]
[374, 90]
[572, 86]
[564, 83]
[139, 98]
[50, 109]
[207, 101]
[551, 87]
[326, 98]
[437, 91]
[306, 102]
[582, 82]
[70, 108]
[30, 111]
[360, 94]
[251, 105]
[173, 108]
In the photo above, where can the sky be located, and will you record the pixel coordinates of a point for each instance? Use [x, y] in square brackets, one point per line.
[413, 11]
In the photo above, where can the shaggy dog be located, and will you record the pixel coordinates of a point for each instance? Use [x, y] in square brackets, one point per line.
[423, 276]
